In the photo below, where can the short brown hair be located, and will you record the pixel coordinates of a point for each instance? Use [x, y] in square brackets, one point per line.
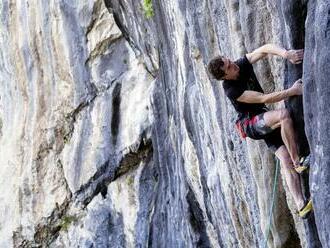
[215, 67]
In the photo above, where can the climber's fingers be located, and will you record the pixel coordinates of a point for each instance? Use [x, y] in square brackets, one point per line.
[295, 56]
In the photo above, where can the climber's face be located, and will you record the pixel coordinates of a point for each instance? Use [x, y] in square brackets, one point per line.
[231, 69]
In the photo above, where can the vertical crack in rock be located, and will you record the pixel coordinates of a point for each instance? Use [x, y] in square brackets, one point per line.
[115, 118]
[148, 188]
[197, 220]
[294, 13]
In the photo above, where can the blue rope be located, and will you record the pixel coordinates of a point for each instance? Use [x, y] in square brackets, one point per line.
[273, 202]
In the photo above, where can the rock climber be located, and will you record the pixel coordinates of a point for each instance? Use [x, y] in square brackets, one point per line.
[256, 121]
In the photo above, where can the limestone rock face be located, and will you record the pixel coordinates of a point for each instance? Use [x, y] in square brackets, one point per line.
[112, 134]
[75, 114]
[316, 102]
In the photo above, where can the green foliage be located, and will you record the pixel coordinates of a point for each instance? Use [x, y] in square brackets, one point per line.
[67, 221]
[148, 8]
[66, 139]
[130, 181]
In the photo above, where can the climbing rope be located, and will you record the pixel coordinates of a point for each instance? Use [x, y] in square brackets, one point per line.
[272, 205]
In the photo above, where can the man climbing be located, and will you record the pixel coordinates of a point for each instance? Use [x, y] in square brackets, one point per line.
[257, 122]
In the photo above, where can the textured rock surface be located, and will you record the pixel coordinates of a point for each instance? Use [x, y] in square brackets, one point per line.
[113, 135]
[75, 113]
[316, 77]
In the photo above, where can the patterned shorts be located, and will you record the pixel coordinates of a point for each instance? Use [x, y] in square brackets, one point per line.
[256, 128]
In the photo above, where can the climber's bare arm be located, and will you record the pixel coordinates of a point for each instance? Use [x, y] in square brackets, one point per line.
[250, 96]
[294, 56]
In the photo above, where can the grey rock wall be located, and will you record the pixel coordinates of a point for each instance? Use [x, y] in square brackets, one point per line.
[316, 100]
[75, 102]
[112, 134]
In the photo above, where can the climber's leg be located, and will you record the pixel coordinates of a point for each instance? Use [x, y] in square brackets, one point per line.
[291, 177]
[281, 118]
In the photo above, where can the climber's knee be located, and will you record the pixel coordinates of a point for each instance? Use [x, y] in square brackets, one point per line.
[275, 118]
[284, 114]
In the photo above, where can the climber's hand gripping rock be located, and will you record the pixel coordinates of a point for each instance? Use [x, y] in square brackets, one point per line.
[295, 56]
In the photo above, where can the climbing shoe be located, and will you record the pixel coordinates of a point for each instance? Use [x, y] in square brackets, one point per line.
[306, 210]
[303, 164]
